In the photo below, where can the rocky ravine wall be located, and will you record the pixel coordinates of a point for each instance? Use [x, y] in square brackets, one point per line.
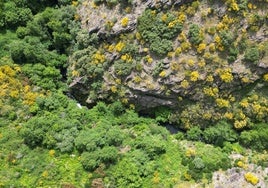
[208, 68]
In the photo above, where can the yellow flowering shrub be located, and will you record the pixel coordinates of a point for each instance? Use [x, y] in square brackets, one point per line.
[182, 37]
[190, 152]
[211, 91]
[201, 48]
[190, 62]
[51, 153]
[126, 57]
[178, 51]
[138, 36]
[244, 103]
[185, 46]
[184, 84]
[222, 103]
[265, 77]
[242, 163]
[137, 79]
[98, 57]
[209, 78]
[239, 124]
[228, 115]
[226, 75]
[124, 22]
[212, 47]
[172, 24]
[194, 76]
[156, 178]
[163, 74]
[181, 17]
[114, 89]
[12, 86]
[251, 178]
[149, 59]
[119, 46]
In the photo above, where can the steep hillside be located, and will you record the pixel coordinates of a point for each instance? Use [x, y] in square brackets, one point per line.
[133, 94]
[205, 60]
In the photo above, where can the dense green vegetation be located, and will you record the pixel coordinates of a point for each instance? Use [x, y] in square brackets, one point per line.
[49, 140]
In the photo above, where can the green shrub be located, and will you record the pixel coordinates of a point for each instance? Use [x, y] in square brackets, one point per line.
[220, 133]
[252, 55]
[205, 161]
[152, 145]
[161, 46]
[257, 138]
[122, 68]
[195, 34]
[92, 160]
[117, 108]
[226, 39]
[157, 32]
[195, 134]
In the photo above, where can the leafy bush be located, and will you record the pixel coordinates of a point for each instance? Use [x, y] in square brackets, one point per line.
[117, 108]
[50, 131]
[161, 46]
[205, 160]
[152, 145]
[195, 134]
[226, 39]
[252, 55]
[219, 134]
[122, 68]
[256, 138]
[98, 137]
[16, 14]
[92, 160]
[158, 32]
[195, 34]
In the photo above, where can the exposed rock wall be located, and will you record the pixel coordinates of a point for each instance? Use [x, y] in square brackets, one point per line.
[216, 57]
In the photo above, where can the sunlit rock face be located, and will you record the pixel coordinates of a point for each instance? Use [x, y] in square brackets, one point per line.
[178, 54]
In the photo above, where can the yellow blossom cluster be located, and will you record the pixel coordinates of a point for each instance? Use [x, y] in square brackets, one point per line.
[163, 74]
[218, 43]
[225, 23]
[74, 3]
[181, 17]
[265, 77]
[12, 87]
[184, 84]
[211, 91]
[194, 76]
[126, 57]
[228, 115]
[201, 48]
[98, 57]
[185, 46]
[225, 75]
[148, 59]
[210, 78]
[239, 124]
[182, 37]
[119, 46]
[172, 24]
[251, 178]
[241, 164]
[125, 21]
[251, 6]
[190, 152]
[137, 79]
[222, 103]
[178, 51]
[232, 5]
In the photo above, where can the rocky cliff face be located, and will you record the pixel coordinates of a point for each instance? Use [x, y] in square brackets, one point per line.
[201, 58]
